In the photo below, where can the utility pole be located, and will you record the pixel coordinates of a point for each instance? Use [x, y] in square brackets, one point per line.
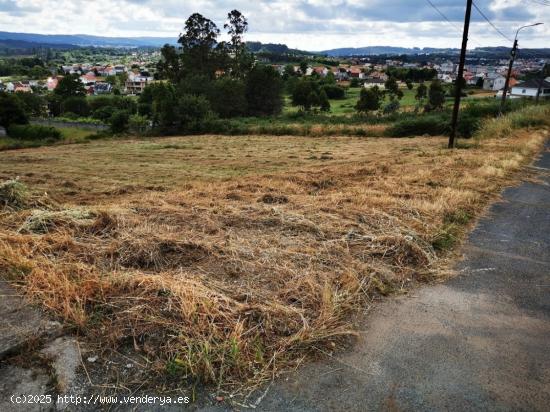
[508, 75]
[512, 58]
[460, 77]
[541, 82]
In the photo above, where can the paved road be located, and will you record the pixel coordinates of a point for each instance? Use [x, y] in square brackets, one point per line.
[478, 342]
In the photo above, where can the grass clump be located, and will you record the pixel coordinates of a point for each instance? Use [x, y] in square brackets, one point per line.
[432, 125]
[13, 195]
[43, 221]
[503, 127]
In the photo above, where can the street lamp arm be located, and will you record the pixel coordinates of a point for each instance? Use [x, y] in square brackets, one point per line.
[524, 27]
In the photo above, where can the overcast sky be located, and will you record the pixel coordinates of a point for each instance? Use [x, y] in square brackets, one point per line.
[305, 24]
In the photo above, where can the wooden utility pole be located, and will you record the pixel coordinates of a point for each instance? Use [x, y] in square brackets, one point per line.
[508, 75]
[460, 77]
[541, 82]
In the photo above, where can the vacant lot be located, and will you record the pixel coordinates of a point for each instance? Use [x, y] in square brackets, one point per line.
[229, 258]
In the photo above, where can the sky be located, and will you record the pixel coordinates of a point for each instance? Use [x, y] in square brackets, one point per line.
[306, 24]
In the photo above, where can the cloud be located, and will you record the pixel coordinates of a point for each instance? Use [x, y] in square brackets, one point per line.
[308, 24]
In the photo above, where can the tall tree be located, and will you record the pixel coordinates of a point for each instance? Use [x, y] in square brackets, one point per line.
[436, 95]
[369, 100]
[169, 66]
[242, 59]
[199, 46]
[70, 86]
[264, 88]
[421, 92]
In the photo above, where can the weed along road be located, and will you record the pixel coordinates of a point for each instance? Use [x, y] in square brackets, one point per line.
[478, 342]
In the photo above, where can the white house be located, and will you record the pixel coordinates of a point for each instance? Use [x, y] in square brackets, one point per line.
[494, 82]
[530, 88]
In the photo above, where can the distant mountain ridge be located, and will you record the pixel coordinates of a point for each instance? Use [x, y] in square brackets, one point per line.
[88, 40]
[33, 40]
[396, 51]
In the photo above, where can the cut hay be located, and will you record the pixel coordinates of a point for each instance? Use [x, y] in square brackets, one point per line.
[13, 195]
[232, 281]
[44, 221]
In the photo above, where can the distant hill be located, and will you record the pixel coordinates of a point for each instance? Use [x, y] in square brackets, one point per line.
[86, 40]
[380, 50]
[26, 45]
[497, 52]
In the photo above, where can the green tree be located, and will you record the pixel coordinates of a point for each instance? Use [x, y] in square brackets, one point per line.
[392, 89]
[354, 82]
[303, 67]
[137, 124]
[70, 85]
[305, 95]
[200, 54]
[289, 72]
[170, 65]
[369, 100]
[242, 60]
[323, 101]
[409, 85]
[479, 83]
[421, 92]
[436, 95]
[33, 104]
[193, 113]
[77, 105]
[264, 91]
[164, 108]
[119, 121]
[11, 111]
[228, 97]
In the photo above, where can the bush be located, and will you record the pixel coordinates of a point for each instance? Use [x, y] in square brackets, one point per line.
[430, 125]
[75, 104]
[194, 113]
[392, 107]
[334, 92]
[138, 124]
[264, 88]
[103, 113]
[119, 121]
[34, 132]
[11, 110]
[228, 97]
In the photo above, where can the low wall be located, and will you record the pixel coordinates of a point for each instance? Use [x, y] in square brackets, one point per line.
[57, 123]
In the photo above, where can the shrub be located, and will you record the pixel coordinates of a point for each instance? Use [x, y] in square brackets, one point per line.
[11, 110]
[103, 113]
[228, 97]
[334, 92]
[34, 132]
[119, 121]
[194, 113]
[76, 104]
[138, 124]
[392, 107]
[369, 100]
[264, 88]
[430, 125]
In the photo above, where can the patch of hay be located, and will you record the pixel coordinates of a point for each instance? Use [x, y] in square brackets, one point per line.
[13, 195]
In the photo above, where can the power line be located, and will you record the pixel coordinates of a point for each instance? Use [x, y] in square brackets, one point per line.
[491, 23]
[443, 15]
[540, 2]
[458, 29]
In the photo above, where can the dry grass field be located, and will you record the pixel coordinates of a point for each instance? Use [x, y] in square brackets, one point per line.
[230, 258]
